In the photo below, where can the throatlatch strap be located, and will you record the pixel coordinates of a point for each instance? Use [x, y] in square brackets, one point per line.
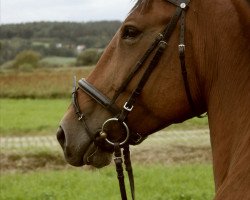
[183, 63]
[183, 67]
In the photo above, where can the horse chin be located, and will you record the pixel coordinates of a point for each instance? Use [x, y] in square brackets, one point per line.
[96, 157]
[93, 156]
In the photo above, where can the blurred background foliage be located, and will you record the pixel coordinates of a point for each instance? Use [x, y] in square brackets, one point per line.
[60, 39]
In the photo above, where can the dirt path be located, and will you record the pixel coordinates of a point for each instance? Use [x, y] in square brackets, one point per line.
[28, 142]
[165, 147]
[188, 137]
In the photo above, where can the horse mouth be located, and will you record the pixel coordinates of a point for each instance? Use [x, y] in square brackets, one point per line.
[77, 155]
[95, 157]
[92, 156]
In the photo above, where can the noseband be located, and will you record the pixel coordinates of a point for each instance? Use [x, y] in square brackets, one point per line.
[102, 139]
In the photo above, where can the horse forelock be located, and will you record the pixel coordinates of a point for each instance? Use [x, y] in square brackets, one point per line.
[144, 5]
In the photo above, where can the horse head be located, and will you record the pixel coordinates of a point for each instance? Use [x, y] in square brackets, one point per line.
[163, 99]
[169, 61]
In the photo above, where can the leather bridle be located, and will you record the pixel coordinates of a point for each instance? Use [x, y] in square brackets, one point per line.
[101, 139]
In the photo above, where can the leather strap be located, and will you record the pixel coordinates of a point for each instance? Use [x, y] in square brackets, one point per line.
[184, 69]
[98, 96]
[183, 64]
[129, 169]
[119, 169]
[161, 47]
[137, 67]
[81, 116]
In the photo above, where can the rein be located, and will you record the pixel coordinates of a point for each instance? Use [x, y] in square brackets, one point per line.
[102, 139]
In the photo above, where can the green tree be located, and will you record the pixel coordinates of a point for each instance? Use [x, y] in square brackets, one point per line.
[88, 57]
[27, 58]
[18, 37]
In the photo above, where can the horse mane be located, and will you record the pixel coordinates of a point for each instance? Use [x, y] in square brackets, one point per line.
[242, 9]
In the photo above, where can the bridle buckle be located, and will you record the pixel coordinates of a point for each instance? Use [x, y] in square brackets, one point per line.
[183, 5]
[181, 47]
[81, 116]
[129, 109]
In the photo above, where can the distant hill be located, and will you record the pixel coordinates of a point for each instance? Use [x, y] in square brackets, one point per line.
[63, 30]
[54, 38]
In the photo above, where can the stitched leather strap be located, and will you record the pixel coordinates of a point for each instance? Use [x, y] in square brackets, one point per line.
[98, 96]
[119, 169]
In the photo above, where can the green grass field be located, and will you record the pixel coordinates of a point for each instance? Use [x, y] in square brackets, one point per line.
[31, 116]
[154, 182]
[62, 61]
[42, 116]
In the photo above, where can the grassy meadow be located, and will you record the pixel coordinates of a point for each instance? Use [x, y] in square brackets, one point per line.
[155, 182]
[42, 116]
[31, 116]
[40, 83]
[60, 61]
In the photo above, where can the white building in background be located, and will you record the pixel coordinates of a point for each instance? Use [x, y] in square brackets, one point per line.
[80, 48]
[59, 45]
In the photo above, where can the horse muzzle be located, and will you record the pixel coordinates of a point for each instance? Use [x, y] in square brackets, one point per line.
[78, 155]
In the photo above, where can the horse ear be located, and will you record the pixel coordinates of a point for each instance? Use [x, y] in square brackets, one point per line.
[242, 7]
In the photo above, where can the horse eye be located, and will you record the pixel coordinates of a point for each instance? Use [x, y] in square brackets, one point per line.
[130, 32]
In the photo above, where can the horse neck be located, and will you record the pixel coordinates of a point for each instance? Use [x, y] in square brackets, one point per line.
[225, 75]
[222, 59]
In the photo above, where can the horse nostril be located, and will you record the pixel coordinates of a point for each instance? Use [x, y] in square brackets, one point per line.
[61, 136]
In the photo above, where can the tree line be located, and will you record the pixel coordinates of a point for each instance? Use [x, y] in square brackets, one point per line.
[54, 38]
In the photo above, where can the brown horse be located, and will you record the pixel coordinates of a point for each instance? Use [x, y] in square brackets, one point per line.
[218, 66]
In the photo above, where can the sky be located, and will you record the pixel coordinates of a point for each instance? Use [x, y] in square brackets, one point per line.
[20, 11]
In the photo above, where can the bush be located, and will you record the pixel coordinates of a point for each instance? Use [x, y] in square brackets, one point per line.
[88, 57]
[28, 58]
[26, 67]
[7, 65]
